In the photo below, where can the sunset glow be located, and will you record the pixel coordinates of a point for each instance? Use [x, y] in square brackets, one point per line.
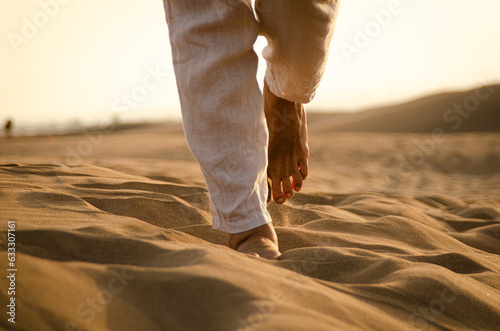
[82, 60]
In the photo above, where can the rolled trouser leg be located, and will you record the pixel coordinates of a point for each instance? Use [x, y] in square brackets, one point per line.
[299, 33]
[215, 67]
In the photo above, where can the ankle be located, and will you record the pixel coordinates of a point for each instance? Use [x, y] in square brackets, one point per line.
[285, 107]
[236, 239]
[264, 231]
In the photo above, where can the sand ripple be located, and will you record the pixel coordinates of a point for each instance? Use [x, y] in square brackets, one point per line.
[99, 249]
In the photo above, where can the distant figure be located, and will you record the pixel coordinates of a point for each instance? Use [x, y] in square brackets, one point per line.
[8, 129]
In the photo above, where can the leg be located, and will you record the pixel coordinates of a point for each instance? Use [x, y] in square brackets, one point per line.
[298, 34]
[215, 66]
[288, 148]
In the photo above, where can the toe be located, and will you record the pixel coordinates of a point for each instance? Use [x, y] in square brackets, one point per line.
[287, 188]
[269, 192]
[304, 168]
[277, 192]
[297, 181]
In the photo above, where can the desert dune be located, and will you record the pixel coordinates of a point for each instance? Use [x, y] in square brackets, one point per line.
[393, 231]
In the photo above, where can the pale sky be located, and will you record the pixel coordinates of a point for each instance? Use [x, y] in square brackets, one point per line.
[81, 59]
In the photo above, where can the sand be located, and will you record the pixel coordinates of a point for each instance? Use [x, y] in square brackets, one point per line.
[120, 238]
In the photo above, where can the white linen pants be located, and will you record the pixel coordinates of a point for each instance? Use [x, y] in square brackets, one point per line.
[222, 108]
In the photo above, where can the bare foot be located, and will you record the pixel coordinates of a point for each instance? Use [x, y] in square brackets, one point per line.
[261, 241]
[288, 149]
